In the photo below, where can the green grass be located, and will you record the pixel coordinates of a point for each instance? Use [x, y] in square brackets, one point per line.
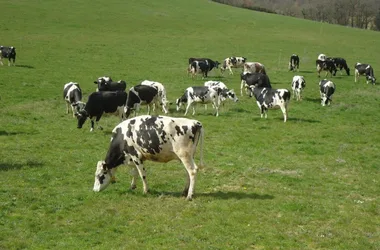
[310, 183]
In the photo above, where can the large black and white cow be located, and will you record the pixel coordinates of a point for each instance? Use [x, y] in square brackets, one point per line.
[294, 63]
[141, 95]
[202, 67]
[366, 70]
[105, 83]
[161, 92]
[99, 103]
[233, 62]
[340, 63]
[8, 52]
[270, 98]
[255, 78]
[199, 94]
[326, 89]
[252, 67]
[326, 65]
[153, 138]
[72, 94]
[298, 84]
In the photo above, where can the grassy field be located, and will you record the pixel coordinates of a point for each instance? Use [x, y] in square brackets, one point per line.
[310, 183]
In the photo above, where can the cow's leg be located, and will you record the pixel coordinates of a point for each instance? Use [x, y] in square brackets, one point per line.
[187, 107]
[231, 73]
[72, 110]
[191, 168]
[1, 61]
[242, 85]
[140, 168]
[97, 122]
[284, 111]
[92, 125]
[135, 175]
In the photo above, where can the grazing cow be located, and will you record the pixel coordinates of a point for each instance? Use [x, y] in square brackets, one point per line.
[298, 84]
[8, 52]
[200, 94]
[326, 65]
[72, 94]
[294, 63]
[256, 78]
[233, 62]
[224, 91]
[159, 139]
[202, 67]
[252, 67]
[105, 83]
[141, 95]
[340, 63]
[161, 92]
[270, 98]
[99, 103]
[326, 89]
[364, 69]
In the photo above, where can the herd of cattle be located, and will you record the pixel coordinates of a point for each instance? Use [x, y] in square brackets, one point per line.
[164, 138]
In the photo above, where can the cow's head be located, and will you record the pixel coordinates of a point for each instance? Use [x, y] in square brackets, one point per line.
[216, 64]
[81, 116]
[102, 82]
[103, 176]
[372, 79]
[229, 94]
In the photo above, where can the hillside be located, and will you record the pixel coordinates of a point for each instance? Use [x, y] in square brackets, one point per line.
[309, 183]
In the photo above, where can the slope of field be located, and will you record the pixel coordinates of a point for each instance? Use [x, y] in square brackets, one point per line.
[310, 183]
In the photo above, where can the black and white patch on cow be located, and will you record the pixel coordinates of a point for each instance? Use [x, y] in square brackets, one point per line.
[321, 57]
[326, 89]
[326, 65]
[232, 62]
[99, 103]
[298, 84]
[294, 63]
[72, 94]
[8, 52]
[267, 98]
[161, 92]
[256, 78]
[366, 70]
[159, 139]
[141, 95]
[340, 63]
[201, 95]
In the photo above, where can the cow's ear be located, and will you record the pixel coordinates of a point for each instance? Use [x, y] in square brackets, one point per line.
[105, 166]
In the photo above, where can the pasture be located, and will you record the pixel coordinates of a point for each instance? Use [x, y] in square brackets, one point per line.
[310, 183]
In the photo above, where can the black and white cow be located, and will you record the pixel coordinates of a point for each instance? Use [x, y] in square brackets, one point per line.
[141, 95]
[252, 67]
[161, 94]
[326, 65]
[298, 84]
[340, 63]
[99, 103]
[294, 63]
[72, 94]
[233, 62]
[224, 91]
[105, 83]
[255, 78]
[153, 138]
[270, 98]
[326, 89]
[8, 52]
[200, 94]
[366, 70]
[200, 59]
[202, 67]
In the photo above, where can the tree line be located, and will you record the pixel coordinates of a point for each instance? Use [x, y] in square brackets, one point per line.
[364, 14]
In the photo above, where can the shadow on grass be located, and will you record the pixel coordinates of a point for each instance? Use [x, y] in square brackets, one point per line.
[306, 71]
[217, 195]
[316, 100]
[5, 133]
[303, 120]
[25, 66]
[15, 166]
